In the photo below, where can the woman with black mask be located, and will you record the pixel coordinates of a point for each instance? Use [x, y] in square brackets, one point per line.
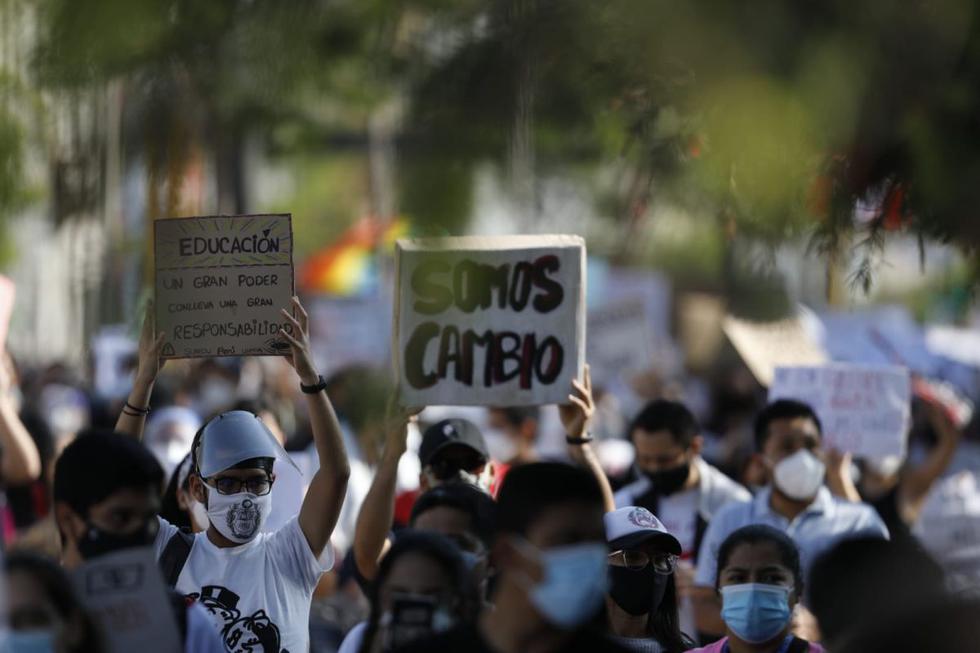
[642, 603]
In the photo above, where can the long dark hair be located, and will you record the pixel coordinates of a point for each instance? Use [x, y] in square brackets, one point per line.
[58, 589]
[442, 551]
[665, 625]
[789, 554]
[170, 507]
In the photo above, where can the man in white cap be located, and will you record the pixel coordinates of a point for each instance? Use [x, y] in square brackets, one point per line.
[642, 599]
[256, 586]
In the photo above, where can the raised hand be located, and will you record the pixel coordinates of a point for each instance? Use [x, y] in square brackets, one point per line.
[299, 355]
[576, 414]
[150, 349]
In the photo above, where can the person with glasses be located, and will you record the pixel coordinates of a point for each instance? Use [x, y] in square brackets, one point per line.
[257, 586]
[641, 605]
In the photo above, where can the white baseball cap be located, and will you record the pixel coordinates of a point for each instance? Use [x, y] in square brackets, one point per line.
[629, 527]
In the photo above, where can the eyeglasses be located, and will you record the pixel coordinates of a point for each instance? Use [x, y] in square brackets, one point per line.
[663, 563]
[258, 485]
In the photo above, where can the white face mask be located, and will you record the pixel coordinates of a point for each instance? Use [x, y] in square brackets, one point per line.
[799, 476]
[239, 517]
[199, 515]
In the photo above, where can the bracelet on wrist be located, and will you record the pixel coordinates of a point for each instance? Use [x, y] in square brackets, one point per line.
[585, 439]
[130, 409]
[316, 388]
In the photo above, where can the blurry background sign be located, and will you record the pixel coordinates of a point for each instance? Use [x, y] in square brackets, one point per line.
[221, 283]
[767, 345]
[620, 341]
[864, 409]
[489, 320]
[126, 594]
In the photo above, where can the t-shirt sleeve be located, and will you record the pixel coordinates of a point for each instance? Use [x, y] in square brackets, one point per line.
[166, 531]
[292, 553]
[202, 636]
[872, 525]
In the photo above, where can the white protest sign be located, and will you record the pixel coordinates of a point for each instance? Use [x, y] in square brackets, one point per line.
[489, 321]
[221, 282]
[864, 408]
[125, 593]
[621, 341]
[764, 346]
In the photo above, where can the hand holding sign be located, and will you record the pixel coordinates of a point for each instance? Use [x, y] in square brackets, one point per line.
[576, 414]
[150, 349]
[299, 344]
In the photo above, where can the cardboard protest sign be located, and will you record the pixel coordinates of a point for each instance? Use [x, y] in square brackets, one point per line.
[764, 346]
[489, 321]
[221, 282]
[864, 408]
[125, 593]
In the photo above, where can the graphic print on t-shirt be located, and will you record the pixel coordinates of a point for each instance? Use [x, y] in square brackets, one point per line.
[241, 634]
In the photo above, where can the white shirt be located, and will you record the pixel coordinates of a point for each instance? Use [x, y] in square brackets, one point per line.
[258, 594]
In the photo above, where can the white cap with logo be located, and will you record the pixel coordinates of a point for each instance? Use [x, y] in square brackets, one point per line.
[632, 526]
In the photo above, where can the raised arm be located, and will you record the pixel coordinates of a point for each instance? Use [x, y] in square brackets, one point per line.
[132, 419]
[916, 482]
[378, 510]
[325, 496]
[20, 462]
[575, 417]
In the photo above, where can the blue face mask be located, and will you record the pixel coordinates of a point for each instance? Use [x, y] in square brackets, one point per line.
[29, 641]
[574, 583]
[754, 612]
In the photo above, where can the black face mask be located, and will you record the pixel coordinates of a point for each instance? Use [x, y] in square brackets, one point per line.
[638, 592]
[96, 542]
[668, 481]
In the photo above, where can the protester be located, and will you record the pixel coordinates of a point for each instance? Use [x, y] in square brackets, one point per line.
[551, 558]
[423, 587]
[677, 485]
[43, 612]
[899, 491]
[451, 450]
[863, 582]
[107, 495]
[257, 586]
[948, 625]
[642, 601]
[20, 461]
[179, 507]
[760, 582]
[788, 445]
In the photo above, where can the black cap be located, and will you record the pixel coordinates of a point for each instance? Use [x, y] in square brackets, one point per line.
[451, 432]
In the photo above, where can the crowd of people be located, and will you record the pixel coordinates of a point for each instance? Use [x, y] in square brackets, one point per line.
[288, 512]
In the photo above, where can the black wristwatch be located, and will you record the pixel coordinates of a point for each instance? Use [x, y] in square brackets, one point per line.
[319, 386]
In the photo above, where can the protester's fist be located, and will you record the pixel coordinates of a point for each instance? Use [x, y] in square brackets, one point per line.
[575, 415]
[150, 349]
[299, 355]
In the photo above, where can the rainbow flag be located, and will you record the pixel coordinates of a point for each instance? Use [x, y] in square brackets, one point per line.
[349, 266]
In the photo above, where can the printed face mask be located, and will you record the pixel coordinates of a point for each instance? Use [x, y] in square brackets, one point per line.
[756, 613]
[574, 583]
[239, 517]
[799, 476]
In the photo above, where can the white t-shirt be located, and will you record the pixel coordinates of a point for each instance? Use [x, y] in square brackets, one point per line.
[259, 593]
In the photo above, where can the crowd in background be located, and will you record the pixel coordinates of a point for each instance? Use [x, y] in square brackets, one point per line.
[686, 464]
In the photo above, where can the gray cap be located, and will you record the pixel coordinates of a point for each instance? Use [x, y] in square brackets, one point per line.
[233, 437]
